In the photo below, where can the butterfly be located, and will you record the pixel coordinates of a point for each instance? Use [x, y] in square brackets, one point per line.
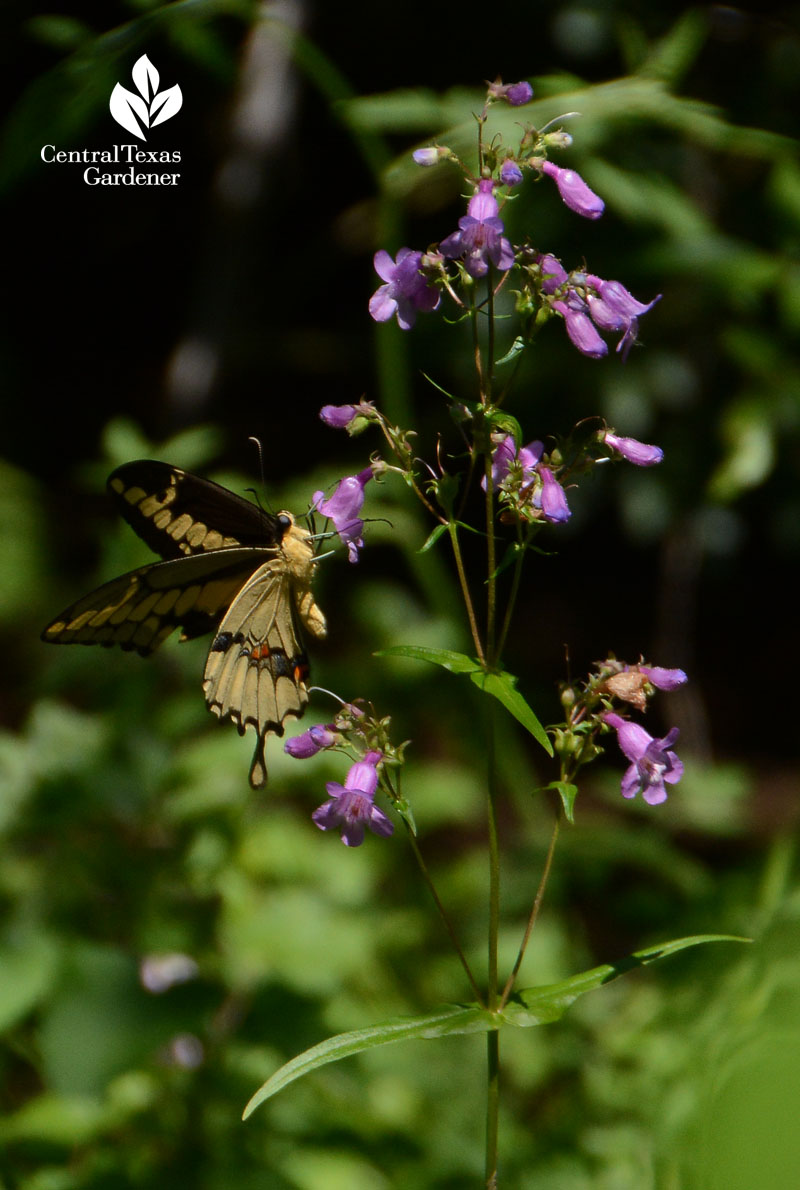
[229, 568]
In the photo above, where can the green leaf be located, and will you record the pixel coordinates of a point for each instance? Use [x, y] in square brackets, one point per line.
[445, 1021]
[501, 687]
[432, 538]
[567, 793]
[542, 1005]
[514, 350]
[534, 1006]
[457, 663]
[504, 423]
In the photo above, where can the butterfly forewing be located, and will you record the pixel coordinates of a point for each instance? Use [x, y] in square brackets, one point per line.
[230, 568]
[180, 514]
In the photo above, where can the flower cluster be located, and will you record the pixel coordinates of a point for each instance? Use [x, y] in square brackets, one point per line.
[351, 807]
[526, 481]
[588, 304]
[591, 709]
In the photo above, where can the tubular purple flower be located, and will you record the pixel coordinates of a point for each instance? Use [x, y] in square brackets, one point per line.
[338, 416]
[635, 452]
[613, 308]
[663, 679]
[406, 291]
[510, 173]
[653, 763]
[581, 330]
[312, 741]
[553, 273]
[343, 508]
[553, 498]
[350, 806]
[479, 239]
[579, 197]
[516, 94]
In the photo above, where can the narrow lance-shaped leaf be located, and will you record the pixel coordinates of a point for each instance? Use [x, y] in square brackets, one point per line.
[445, 1021]
[534, 1006]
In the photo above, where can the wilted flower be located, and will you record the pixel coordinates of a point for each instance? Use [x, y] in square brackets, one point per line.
[351, 806]
[574, 192]
[311, 741]
[653, 763]
[635, 452]
[343, 508]
[553, 273]
[480, 240]
[406, 291]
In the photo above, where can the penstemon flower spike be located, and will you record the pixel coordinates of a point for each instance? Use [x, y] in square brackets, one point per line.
[527, 484]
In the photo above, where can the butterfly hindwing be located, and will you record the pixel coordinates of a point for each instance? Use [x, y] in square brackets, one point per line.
[140, 609]
[256, 670]
[230, 568]
[180, 514]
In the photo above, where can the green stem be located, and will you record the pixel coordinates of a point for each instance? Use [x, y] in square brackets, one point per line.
[492, 1105]
[462, 578]
[537, 904]
[423, 867]
[493, 1038]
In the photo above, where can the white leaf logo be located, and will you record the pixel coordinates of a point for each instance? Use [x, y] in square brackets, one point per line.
[150, 107]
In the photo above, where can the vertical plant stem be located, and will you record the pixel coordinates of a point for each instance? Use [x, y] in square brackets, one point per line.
[462, 578]
[493, 1038]
[537, 904]
[492, 1104]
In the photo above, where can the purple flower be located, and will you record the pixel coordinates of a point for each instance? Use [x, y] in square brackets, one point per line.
[552, 499]
[338, 416]
[653, 763]
[635, 452]
[505, 453]
[480, 238]
[342, 417]
[343, 508]
[427, 156]
[312, 741]
[580, 328]
[510, 173]
[613, 308]
[350, 806]
[553, 273]
[516, 94]
[574, 191]
[406, 290]
[663, 679]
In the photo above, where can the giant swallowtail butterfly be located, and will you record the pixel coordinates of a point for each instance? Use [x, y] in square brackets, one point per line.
[230, 568]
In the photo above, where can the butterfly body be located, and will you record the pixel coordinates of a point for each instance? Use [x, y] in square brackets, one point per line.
[229, 568]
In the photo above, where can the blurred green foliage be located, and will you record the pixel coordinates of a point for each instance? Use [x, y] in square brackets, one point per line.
[127, 828]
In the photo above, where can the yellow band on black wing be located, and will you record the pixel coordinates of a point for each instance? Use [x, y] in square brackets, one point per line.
[179, 514]
[140, 609]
